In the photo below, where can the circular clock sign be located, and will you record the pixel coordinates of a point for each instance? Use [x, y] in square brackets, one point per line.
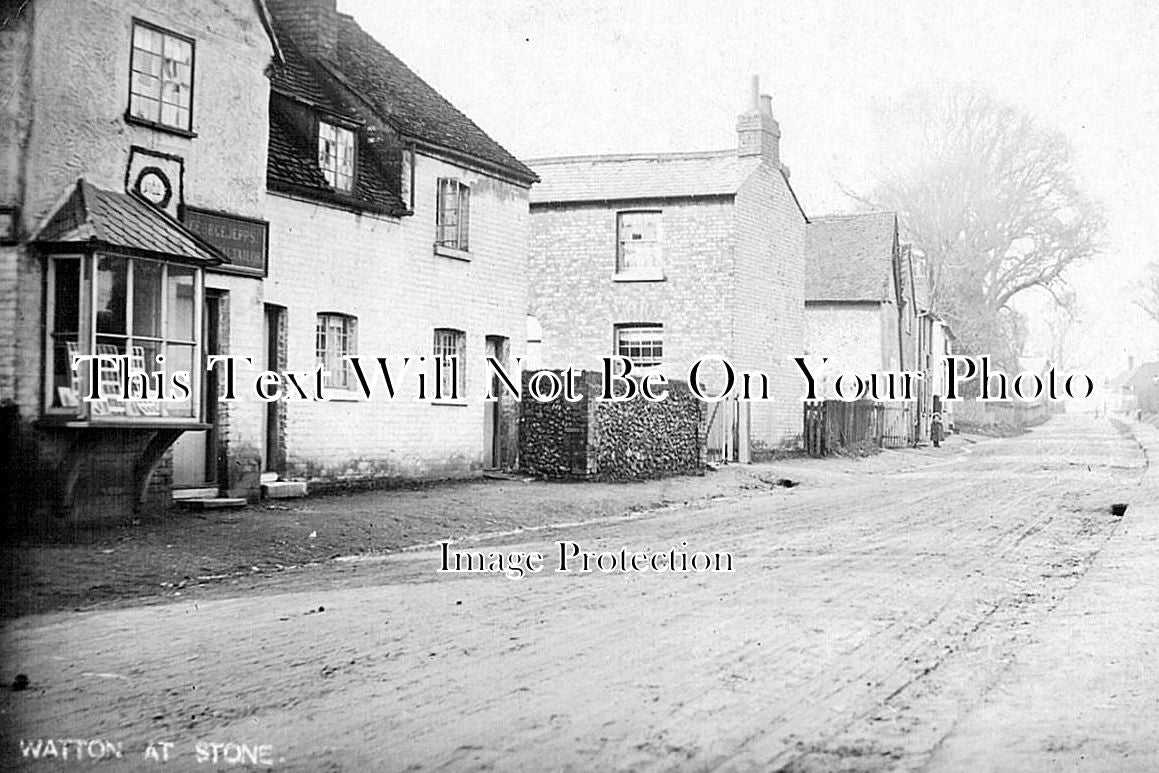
[154, 186]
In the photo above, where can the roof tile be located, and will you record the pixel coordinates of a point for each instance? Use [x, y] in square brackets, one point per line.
[391, 90]
[123, 220]
[405, 100]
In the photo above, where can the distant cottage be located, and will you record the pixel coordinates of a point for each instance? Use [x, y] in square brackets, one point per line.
[666, 258]
[857, 310]
[867, 309]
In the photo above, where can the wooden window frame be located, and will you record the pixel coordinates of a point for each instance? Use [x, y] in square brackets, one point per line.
[645, 273]
[640, 327]
[459, 338]
[453, 239]
[339, 374]
[334, 176]
[118, 410]
[160, 125]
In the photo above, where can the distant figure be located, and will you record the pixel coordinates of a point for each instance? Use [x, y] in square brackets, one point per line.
[936, 430]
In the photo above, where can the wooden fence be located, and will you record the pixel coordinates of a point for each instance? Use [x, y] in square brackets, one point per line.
[832, 425]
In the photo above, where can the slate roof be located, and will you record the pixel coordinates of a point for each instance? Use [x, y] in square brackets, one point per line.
[123, 220]
[640, 176]
[850, 257]
[375, 79]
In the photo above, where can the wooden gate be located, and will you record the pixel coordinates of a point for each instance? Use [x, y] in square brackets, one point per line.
[727, 432]
[897, 425]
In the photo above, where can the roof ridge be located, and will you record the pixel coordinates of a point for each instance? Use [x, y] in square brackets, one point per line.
[851, 215]
[618, 157]
[505, 160]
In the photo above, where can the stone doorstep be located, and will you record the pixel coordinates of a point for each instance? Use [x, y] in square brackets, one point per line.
[207, 492]
[210, 503]
[284, 489]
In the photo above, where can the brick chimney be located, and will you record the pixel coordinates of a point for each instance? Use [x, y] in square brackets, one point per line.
[758, 133]
[312, 25]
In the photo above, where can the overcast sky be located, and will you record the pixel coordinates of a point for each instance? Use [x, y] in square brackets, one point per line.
[570, 77]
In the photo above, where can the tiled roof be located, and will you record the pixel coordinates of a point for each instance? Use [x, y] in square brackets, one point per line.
[378, 80]
[850, 257]
[297, 77]
[639, 176]
[414, 108]
[92, 214]
[292, 167]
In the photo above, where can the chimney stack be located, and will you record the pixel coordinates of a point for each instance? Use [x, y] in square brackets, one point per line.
[312, 25]
[758, 133]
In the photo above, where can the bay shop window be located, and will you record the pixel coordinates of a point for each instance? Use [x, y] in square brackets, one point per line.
[128, 310]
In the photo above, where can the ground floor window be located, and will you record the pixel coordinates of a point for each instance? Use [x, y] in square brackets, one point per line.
[451, 345]
[642, 344]
[142, 318]
[334, 337]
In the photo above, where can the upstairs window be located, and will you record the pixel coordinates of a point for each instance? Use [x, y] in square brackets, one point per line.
[452, 215]
[638, 250]
[161, 80]
[642, 344]
[451, 344]
[336, 156]
[334, 339]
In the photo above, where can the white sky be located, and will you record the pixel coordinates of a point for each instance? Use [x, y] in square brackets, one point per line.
[562, 77]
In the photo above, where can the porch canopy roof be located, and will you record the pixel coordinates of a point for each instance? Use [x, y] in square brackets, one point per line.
[92, 217]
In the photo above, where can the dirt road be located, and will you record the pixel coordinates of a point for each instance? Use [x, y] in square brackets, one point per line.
[898, 620]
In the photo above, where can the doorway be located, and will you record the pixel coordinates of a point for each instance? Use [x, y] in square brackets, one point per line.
[493, 434]
[274, 414]
[195, 457]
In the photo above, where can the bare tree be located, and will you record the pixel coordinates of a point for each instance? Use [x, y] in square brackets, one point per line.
[989, 198]
[1061, 322]
[1148, 299]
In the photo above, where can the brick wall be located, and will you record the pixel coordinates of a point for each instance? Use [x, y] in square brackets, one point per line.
[734, 287]
[577, 300]
[769, 300]
[15, 123]
[385, 273]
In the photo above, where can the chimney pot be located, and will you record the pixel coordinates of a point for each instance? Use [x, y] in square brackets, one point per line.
[758, 133]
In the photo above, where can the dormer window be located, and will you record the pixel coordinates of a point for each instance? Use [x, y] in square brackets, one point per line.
[336, 156]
